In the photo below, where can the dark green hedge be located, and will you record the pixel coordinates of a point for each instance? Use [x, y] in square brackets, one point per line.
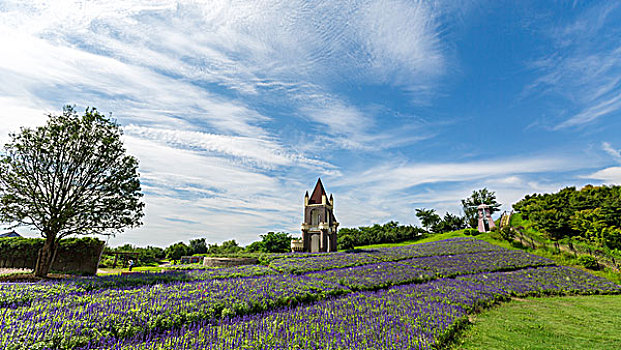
[390, 232]
[75, 255]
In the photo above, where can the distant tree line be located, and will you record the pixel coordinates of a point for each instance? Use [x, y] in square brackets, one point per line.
[592, 213]
[272, 242]
[389, 232]
[434, 223]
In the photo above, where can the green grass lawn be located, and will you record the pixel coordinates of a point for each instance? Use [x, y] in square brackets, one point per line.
[575, 322]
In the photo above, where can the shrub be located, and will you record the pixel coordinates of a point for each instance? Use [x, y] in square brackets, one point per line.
[471, 232]
[346, 242]
[506, 233]
[588, 262]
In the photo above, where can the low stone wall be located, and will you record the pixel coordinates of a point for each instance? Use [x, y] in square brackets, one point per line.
[227, 262]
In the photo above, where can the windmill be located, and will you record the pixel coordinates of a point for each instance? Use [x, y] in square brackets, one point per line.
[484, 212]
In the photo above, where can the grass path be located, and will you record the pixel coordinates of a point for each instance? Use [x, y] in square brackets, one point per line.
[576, 322]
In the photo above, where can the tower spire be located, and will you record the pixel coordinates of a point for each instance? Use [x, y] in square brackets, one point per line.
[318, 192]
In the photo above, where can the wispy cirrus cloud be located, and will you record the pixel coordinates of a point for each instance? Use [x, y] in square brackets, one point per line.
[392, 191]
[583, 67]
[397, 177]
[259, 152]
[614, 153]
[235, 107]
[196, 61]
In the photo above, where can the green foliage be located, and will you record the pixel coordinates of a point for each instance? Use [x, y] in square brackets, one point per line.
[346, 242]
[428, 218]
[71, 176]
[255, 247]
[227, 247]
[588, 262]
[506, 233]
[148, 256]
[72, 252]
[176, 251]
[450, 223]
[435, 224]
[198, 246]
[390, 232]
[592, 213]
[276, 242]
[471, 232]
[470, 204]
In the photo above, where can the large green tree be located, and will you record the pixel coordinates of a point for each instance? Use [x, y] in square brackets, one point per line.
[592, 213]
[177, 250]
[198, 246]
[428, 218]
[276, 242]
[470, 204]
[70, 176]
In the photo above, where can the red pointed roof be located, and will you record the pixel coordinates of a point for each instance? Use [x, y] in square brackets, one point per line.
[317, 193]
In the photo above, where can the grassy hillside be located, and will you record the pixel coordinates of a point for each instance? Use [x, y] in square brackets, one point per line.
[576, 322]
[562, 258]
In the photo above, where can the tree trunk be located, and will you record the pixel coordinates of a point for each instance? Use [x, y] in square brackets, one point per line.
[46, 256]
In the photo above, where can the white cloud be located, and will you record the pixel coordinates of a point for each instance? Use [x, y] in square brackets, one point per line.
[265, 153]
[615, 153]
[396, 177]
[583, 67]
[190, 81]
[611, 175]
[190, 194]
[16, 113]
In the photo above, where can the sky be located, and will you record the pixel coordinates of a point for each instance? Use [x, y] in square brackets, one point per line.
[235, 108]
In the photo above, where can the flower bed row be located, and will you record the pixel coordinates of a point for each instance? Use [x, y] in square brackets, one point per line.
[21, 294]
[452, 246]
[498, 260]
[386, 274]
[74, 319]
[18, 294]
[415, 316]
[306, 262]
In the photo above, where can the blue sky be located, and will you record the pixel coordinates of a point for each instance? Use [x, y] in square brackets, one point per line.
[234, 108]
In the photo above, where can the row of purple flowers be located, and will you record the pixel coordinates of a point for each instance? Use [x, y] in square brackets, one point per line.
[75, 318]
[414, 316]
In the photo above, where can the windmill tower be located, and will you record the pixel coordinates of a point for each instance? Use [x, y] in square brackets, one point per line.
[320, 226]
[486, 222]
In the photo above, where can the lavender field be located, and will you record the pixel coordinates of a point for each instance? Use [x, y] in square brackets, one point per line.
[411, 297]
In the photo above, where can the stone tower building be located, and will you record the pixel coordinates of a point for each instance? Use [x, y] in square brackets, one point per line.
[320, 226]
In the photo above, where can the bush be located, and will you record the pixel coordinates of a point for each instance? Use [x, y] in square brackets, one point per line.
[588, 262]
[346, 242]
[78, 255]
[390, 232]
[471, 232]
[255, 247]
[506, 233]
[276, 242]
